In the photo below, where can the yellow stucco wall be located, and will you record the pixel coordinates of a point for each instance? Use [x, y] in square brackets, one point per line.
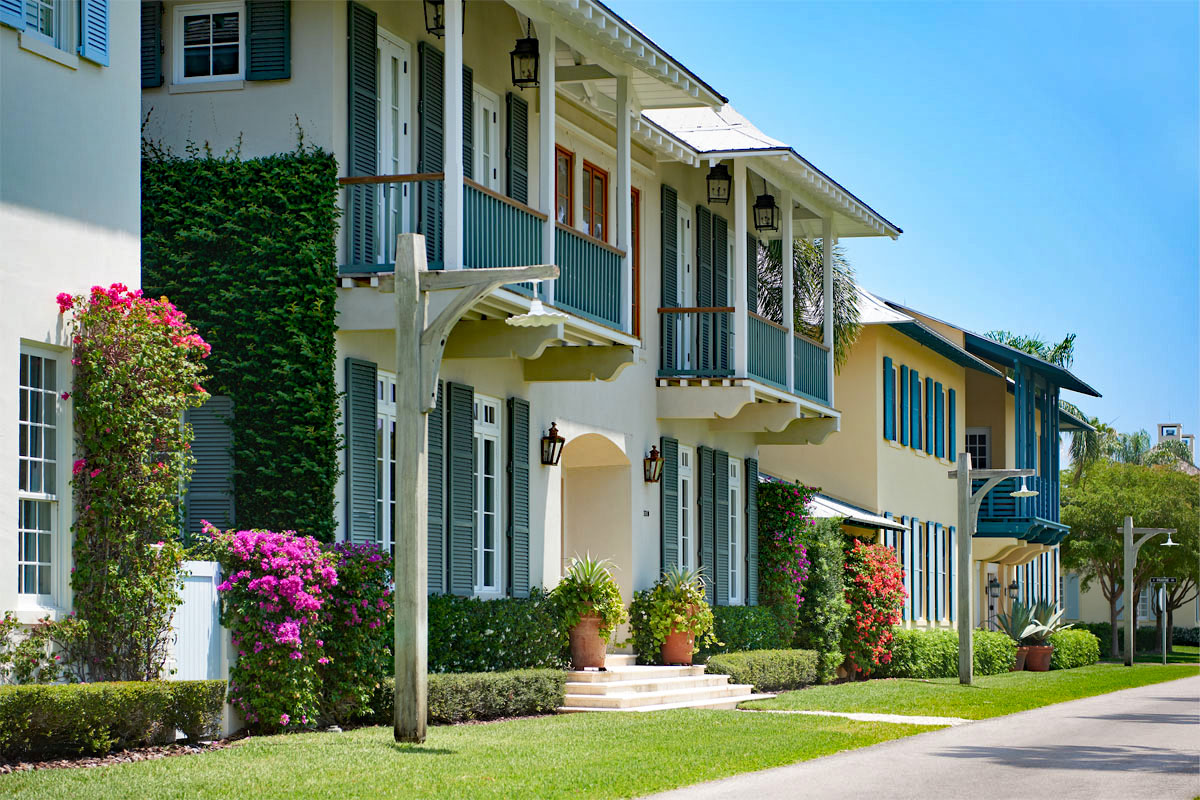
[1094, 608]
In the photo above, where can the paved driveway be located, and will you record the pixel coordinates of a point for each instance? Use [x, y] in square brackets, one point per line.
[1136, 743]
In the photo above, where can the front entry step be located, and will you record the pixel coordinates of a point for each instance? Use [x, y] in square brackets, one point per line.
[626, 686]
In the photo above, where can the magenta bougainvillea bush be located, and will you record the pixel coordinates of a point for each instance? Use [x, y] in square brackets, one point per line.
[875, 593]
[782, 559]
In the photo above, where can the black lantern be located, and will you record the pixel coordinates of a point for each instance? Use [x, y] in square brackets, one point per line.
[993, 586]
[435, 17]
[652, 465]
[719, 182]
[1013, 589]
[524, 59]
[766, 213]
[552, 445]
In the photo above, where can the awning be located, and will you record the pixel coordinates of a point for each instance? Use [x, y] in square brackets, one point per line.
[826, 507]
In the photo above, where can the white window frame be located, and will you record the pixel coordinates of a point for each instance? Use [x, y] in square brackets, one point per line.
[686, 542]
[394, 140]
[385, 460]
[66, 22]
[177, 40]
[59, 553]
[488, 429]
[737, 555]
[986, 433]
[484, 103]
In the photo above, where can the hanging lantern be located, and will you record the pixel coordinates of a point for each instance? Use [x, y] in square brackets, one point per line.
[524, 58]
[435, 17]
[719, 182]
[766, 213]
[652, 465]
[552, 445]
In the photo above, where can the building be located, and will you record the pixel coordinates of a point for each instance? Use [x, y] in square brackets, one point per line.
[1173, 430]
[69, 218]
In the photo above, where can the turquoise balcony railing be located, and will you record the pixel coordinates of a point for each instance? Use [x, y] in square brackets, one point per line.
[589, 279]
[695, 342]
[766, 350]
[999, 504]
[810, 369]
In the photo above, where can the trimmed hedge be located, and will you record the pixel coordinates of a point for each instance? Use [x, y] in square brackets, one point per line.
[1146, 637]
[481, 696]
[1074, 648]
[1185, 636]
[471, 635]
[767, 670]
[97, 718]
[741, 629]
[933, 653]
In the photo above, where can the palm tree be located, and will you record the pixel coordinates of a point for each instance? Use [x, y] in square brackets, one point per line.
[1060, 354]
[1088, 447]
[808, 293]
[1132, 448]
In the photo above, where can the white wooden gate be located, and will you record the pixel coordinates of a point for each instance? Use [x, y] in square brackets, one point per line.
[199, 640]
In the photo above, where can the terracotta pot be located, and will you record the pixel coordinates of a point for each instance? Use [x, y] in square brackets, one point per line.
[587, 648]
[677, 648]
[1038, 658]
[1022, 652]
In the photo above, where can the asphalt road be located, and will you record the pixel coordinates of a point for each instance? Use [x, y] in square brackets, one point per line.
[1136, 743]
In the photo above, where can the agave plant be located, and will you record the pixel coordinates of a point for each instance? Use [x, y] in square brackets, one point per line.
[588, 588]
[679, 579]
[1018, 622]
[1053, 623]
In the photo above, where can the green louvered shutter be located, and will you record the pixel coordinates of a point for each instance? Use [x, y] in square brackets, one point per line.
[460, 487]
[669, 498]
[706, 355]
[752, 531]
[431, 145]
[361, 413]
[268, 40]
[152, 44]
[93, 31]
[751, 273]
[435, 447]
[707, 522]
[363, 122]
[468, 144]
[517, 152]
[951, 424]
[210, 495]
[720, 293]
[929, 416]
[940, 412]
[721, 528]
[889, 399]
[904, 423]
[914, 409]
[669, 270]
[518, 496]
[12, 14]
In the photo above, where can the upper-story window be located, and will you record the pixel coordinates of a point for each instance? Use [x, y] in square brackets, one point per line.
[486, 110]
[52, 21]
[564, 186]
[1169, 432]
[595, 201]
[209, 42]
[979, 447]
[37, 472]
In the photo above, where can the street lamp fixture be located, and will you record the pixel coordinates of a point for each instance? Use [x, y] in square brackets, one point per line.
[1024, 491]
[1170, 542]
[524, 58]
[538, 315]
[552, 446]
[1131, 548]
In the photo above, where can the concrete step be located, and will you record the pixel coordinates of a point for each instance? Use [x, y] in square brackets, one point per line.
[714, 703]
[620, 660]
[647, 684]
[687, 695]
[629, 673]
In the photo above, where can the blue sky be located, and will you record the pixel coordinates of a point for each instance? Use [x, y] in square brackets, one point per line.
[1040, 157]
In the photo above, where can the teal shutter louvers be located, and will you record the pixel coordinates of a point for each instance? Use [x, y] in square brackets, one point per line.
[917, 556]
[362, 116]
[906, 565]
[889, 400]
[951, 557]
[518, 496]
[707, 521]
[431, 144]
[362, 526]
[516, 154]
[752, 273]
[939, 555]
[929, 416]
[210, 495]
[435, 448]
[152, 44]
[720, 291]
[721, 528]
[93, 31]
[904, 423]
[914, 408]
[268, 40]
[468, 140]
[951, 422]
[706, 324]
[669, 272]
[669, 503]
[12, 14]
[939, 407]
[460, 487]
[751, 531]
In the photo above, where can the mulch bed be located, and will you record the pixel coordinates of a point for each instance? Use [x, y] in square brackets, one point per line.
[120, 757]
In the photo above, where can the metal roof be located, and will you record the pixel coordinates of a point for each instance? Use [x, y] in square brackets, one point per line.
[874, 310]
[825, 507]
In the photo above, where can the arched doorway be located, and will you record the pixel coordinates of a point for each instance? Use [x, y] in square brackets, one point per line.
[597, 505]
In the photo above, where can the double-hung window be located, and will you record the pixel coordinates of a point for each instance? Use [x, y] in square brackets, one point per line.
[53, 21]
[595, 201]
[687, 539]
[564, 185]
[487, 496]
[37, 472]
[736, 556]
[385, 460]
[209, 42]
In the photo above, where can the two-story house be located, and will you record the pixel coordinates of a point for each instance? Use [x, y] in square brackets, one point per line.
[69, 218]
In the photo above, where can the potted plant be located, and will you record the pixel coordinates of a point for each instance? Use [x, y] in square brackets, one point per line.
[672, 615]
[1018, 624]
[1040, 649]
[588, 602]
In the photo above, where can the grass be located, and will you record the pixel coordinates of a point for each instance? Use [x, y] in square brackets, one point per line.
[1183, 654]
[569, 756]
[990, 696]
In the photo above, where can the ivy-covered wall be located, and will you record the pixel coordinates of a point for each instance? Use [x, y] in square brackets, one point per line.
[248, 248]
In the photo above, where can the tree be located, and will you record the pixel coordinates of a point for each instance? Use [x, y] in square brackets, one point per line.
[1060, 354]
[1095, 507]
[1170, 452]
[809, 294]
[1088, 447]
[1132, 448]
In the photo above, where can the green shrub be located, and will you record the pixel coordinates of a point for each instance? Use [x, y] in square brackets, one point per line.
[743, 628]
[767, 670]
[471, 635]
[481, 695]
[97, 718]
[782, 560]
[1146, 637]
[1185, 636]
[933, 653]
[823, 613]
[1074, 648]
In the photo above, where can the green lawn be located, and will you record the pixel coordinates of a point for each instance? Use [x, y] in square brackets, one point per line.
[988, 697]
[569, 756]
[1183, 654]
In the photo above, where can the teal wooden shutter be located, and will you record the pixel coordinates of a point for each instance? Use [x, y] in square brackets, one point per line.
[12, 14]
[152, 46]
[93, 31]
[720, 292]
[361, 413]
[905, 537]
[904, 423]
[468, 145]
[951, 424]
[516, 154]
[706, 355]
[707, 521]
[929, 416]
[518, 496]
[210, 495]
[435, 449]
[915, 561]
[669, 270]
[721, 528]
[669, 503]
[268, 40]
[431, 144]
[889, 399]
[1071, 601]
[751, 531]
[939, 554]
[362, 117]
[752, 273]
[460, 487]
[914, 408]
[951, 557]
[939, 410]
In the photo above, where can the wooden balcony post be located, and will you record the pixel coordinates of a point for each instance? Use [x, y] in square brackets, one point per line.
[787, 245]
[452, 188]
[741, 322]
[827, 241]
[624, 202]
[546, 165]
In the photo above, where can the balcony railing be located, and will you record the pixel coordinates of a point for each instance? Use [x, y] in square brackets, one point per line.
[589, 281]
[999, 504]
[695, 342]
[767, 350]
[810, 369]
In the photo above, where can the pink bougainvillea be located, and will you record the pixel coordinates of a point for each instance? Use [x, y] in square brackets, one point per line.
[782, 558]
[875, 593]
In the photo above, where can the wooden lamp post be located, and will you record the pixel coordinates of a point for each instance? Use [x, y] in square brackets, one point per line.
[1131, 553]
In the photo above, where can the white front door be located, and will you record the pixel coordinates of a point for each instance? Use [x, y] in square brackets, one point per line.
[394, 200]
[487, 138]
[686, 323]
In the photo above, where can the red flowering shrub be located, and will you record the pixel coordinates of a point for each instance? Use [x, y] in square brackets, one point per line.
[875, 594]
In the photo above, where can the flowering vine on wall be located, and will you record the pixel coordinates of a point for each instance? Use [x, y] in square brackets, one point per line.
[782, 557]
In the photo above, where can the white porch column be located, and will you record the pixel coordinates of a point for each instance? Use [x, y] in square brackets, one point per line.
[741, 323]
[624, 202]
[827, 302]
[546, 160]
[787, 245]
[452, 208]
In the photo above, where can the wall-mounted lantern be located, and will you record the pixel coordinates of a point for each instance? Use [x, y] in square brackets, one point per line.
[524, 58]
[652, 465]
[435, 17]
[993, 586]
[552, 446]
[1013, 590]
[719, 183]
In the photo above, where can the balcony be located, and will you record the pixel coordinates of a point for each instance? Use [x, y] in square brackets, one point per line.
[1030, 519]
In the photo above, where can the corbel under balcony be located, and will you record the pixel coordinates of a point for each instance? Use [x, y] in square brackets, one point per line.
[747, 405]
